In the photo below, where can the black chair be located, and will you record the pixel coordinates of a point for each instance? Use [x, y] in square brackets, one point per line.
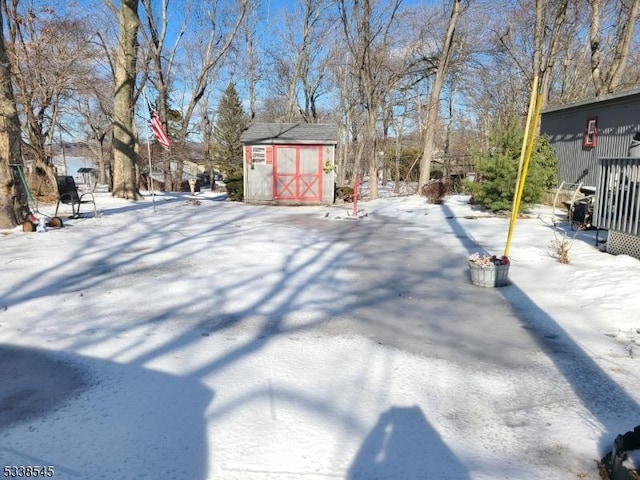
[68, 194]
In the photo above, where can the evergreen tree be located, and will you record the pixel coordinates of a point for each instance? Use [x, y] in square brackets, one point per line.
[498, 168]
[230, 123]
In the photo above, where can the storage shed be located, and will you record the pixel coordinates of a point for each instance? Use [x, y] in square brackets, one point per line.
[289, 163]
[583, 132]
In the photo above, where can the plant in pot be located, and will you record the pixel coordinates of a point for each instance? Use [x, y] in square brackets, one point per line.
[489, 270]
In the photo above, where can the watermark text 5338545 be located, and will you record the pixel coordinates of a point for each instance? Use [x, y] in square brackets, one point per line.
[28, 471]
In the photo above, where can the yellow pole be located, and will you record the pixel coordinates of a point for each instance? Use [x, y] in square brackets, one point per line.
[523, 151]
[527, 161]
[525, 141]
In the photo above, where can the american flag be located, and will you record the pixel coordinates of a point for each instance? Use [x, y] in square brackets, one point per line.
[158, 130]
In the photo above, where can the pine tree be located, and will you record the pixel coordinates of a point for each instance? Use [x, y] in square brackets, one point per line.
[230, 123]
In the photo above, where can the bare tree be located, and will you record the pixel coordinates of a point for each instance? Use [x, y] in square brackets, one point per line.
[347, 104]
[207, 55]
[300, 59]
[50, 58]
[607, 78]
[13, 201]
[370, 30]
[252, 61]
[433, 101]
[537, 54]
[95, 108]
[572, 75]
[547, 47]
[536, 37]
[310, 17]
[159, 63]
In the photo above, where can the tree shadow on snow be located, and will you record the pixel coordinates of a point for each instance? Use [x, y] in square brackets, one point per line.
[404, 445]
[607, 401]
[92, 418]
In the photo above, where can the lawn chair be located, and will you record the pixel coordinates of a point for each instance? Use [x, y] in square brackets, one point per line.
[68, 194]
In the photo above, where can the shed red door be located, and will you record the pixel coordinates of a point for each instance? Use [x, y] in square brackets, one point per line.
[297, 173]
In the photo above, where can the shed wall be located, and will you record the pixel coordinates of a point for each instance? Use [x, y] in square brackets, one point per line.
[618, 119]
[262, 184]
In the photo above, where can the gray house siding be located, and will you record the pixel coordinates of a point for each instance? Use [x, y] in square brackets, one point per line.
[606, 166]
[618, 117]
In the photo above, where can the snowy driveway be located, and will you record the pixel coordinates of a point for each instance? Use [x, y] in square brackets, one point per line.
[226, 341]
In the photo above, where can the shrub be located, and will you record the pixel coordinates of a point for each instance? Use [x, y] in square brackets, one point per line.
[235, 189]
[344, 193]
[434, 191]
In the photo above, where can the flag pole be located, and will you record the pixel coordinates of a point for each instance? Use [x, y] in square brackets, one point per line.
[148, 121]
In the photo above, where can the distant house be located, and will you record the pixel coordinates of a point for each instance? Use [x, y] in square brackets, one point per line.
[289, 163]
[583, 132]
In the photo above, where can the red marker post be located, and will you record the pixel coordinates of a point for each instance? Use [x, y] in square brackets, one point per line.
[356, 194]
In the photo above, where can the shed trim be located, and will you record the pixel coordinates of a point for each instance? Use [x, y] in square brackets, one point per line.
[290, 133]
[593, 101]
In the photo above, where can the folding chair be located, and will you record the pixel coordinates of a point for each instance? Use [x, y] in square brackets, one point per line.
[68, 194]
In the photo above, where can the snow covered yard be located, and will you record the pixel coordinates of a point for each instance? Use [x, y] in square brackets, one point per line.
[229, 341]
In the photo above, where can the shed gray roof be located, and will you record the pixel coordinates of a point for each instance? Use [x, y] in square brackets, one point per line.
[290, 133]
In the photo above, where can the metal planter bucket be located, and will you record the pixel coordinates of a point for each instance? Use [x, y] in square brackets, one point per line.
[489, 275]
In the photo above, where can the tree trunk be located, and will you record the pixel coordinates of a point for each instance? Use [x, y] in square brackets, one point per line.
[13, 199]
[433, 103]
[124, 171]
[102, 178]
[372, 143]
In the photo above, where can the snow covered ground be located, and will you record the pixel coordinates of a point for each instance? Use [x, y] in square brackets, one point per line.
[217, 340]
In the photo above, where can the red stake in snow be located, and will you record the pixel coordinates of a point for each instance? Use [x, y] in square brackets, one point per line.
[356, 194]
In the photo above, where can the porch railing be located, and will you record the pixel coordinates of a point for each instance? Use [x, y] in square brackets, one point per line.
[617, 199]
